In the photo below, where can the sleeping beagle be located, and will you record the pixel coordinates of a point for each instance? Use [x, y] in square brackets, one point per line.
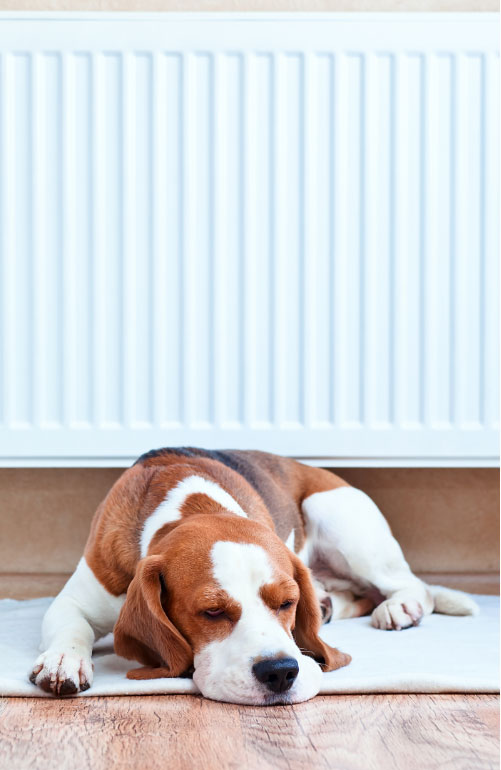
[223, 565]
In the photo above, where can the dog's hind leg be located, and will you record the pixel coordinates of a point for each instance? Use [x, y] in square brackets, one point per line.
[338, 605]
[349, 534]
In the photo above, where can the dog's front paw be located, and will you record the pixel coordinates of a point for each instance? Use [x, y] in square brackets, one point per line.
[62, 672]
[392, 615]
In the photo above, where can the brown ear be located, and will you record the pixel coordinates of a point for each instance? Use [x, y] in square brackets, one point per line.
[308, 622]
[143, 631]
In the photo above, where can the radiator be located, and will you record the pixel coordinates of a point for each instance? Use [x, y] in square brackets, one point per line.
[254, 231]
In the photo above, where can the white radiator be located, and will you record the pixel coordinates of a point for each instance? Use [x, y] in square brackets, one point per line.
[271, 231]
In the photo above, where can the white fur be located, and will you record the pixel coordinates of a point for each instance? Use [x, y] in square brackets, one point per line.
[223, 669]
[349, 533]
[169, 509]
[290, 540]
[450, 602]
[80, 614]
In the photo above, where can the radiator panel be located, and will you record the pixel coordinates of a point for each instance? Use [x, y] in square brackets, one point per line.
[261, 231]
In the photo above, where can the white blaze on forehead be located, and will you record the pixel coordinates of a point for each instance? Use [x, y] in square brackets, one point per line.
[241, 569]
[169, 509]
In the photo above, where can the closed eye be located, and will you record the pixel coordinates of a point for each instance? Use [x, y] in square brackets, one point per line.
[286, 605]
[214, 613]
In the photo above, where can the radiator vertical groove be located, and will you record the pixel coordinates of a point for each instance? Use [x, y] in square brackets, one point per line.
[268, 269]
[481, 247]
[190, 359]
[36, 253]
[330, 251]
[98, 250]
[491, 235]
[308, 243]
[127, 238]
[169, 326]
[158, 240]
[242, 407]
[270, 246]
[423, 227]
[401, 228]
[307, 278]
[340, 245]
[3, 245]
[371, 252]
[431, 318]
[247, 244]
[452, 237]
[8, 284]
[392, 318]
[68, 228]
[277, 256]
[151, 308]
[362, 257]
[219, 245]
[304, 372]
[211, 276]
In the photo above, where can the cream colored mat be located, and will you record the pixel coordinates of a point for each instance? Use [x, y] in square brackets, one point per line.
[443, 654]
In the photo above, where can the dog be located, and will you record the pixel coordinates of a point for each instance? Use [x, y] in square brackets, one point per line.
[223, 565]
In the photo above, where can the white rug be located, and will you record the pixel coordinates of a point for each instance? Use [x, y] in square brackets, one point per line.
[443, 654]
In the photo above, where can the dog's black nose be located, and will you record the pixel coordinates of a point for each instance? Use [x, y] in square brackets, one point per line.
[278, 674]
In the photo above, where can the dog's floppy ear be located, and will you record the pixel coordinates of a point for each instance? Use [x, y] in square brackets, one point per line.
[309, 621]
[143, 631]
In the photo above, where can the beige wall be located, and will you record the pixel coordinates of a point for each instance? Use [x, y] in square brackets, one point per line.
[447, 520]
[249, 5]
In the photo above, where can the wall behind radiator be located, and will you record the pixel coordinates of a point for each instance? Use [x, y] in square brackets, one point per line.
[446, 521]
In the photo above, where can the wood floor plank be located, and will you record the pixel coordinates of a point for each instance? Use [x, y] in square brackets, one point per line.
[350, 732]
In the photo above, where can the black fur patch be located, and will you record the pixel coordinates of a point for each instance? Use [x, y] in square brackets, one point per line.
[247, 466]
[164, 451]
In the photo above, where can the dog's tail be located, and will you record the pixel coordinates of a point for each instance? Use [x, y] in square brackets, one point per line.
[450, 602]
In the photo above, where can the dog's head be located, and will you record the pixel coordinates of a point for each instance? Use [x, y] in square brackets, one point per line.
[224, 596]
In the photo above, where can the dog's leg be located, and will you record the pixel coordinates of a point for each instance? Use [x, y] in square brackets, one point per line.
[339, 604]
[80, 614]
[350, 535]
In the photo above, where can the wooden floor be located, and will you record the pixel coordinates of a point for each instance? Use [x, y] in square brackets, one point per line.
[349, 732]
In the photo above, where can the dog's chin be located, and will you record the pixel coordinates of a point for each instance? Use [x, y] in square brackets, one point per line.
[261, 699]
[282, 699]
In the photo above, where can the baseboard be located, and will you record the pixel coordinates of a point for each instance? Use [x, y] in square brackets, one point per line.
[474, 582]
[15, 585]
